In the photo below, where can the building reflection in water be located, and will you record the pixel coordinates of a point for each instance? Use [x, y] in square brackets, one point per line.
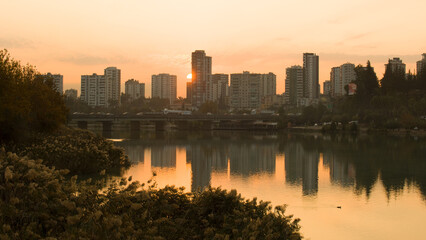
[163, 156]
[250, 158]
[301, 167]
[342, 172]
[350, 162]
[135, 153]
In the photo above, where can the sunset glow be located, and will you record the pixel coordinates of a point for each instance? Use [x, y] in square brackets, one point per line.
[84, 37]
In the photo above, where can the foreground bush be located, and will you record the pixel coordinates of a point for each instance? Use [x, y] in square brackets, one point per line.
[38, 202]
[79, 151]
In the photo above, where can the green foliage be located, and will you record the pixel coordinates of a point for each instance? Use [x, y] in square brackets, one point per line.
[399, 102]
[39, 202]
[28, 101]
[366, 81]
[79, 151]
[209, 107]
[313, 114]
[393, 81]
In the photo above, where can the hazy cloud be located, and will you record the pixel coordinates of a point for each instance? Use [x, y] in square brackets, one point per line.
[353, 37]
[16, 43]
[95, 60]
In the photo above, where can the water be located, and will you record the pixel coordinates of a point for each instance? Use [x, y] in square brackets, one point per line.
[379, 182]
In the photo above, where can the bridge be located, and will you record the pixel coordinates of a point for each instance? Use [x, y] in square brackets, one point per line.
[134, 122]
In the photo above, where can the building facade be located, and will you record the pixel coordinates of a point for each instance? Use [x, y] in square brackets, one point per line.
[245, 91]
[164, 86]
[102, 90]
[93, 90]
[201, 73]
[218, 87]
[348, 75]
[58, 81]
[421, 65]
[134, 89]
[268, 85]
[396, 64]
[340, 78]
[326, 88]
[311, 75]
[293, 84]
[71, 93]
[113, 84]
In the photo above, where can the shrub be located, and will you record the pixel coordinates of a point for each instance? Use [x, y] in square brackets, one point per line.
[39, 202]
[79, 151]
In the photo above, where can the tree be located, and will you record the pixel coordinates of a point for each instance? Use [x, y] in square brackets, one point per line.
[209, 107]
[28, 100]
[393, 81]
[367, 82]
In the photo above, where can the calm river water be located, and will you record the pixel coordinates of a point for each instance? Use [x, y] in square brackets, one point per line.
[378, 181]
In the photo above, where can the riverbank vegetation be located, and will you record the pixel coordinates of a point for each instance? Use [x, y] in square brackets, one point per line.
[40, 202]
[397, 101]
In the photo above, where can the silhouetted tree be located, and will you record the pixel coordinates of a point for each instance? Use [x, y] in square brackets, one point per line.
[28, 100]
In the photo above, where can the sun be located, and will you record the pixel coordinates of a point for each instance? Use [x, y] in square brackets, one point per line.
[189, 76]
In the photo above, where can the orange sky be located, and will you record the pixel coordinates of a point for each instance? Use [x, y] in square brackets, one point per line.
[142, 38]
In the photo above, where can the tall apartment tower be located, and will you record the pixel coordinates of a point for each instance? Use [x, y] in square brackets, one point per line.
[326, 88]
[71, 93]
[201, 73]
[336, 82]
[134, 89]
[293, 84]
[340, 77]
[310, 75]
[269, 84]
[58, 80]
[113, 84]
[189, 91]
[164, 86]
[348, 75]
[217, 86]
[245, 90]
[93, 90]
[396, 64]
[421, 65]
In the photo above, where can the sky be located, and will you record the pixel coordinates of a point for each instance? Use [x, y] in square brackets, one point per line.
[143, 38]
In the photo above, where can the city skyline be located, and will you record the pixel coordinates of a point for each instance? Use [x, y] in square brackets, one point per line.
[89, 36]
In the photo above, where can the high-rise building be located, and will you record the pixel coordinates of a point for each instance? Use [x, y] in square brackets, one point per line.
[293, 84]
[189, 91]
[58, 81]
[421, 65]
[217, 86]
[113, 84]
[326, 88]
[71, 93]
[245, 90]
[134, 89]
[93, 90]
[268, 85]
[336, 82]
[396, 65]
[164, 86]
[348, 75]
[340, 77]
[201, 72]
[310, 75]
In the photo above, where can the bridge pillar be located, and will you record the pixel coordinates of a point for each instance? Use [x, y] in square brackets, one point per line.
[207, 125]
[182, 125]
[82, 124]
[160, 125]
[135, 129]
[107, 129]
